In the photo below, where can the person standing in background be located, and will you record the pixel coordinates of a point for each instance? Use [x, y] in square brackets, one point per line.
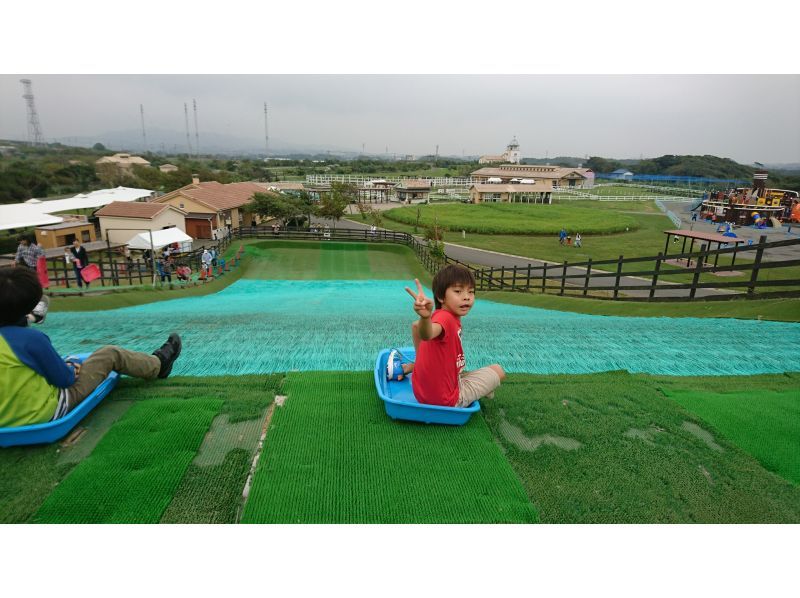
[79, 261]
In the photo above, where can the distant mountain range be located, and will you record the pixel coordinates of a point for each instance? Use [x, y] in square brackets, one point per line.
[173, 142]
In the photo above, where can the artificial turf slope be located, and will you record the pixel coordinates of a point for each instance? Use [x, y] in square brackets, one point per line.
[765, 423]
[131, 475]
[611, 448]
[332, 455]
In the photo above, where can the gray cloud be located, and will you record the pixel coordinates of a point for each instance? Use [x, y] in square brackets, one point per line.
[744, 117]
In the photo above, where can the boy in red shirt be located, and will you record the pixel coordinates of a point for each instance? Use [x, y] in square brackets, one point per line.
[438, 377]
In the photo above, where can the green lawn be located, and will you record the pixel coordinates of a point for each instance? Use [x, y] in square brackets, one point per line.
[515, 219]
[645, 238]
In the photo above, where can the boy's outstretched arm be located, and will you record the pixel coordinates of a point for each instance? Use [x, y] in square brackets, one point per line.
[424, 307]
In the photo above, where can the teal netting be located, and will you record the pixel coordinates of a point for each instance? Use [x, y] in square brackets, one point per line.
[259, 326]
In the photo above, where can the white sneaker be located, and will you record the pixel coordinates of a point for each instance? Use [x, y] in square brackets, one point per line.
[39, 312]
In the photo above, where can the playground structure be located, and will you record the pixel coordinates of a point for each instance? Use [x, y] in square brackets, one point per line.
[756, 205]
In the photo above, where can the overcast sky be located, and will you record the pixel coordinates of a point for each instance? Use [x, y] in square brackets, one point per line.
[746, 118]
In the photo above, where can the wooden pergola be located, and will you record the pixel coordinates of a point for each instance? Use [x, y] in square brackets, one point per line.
[700, 236]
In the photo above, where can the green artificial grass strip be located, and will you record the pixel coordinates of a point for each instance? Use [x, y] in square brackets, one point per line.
[320, 260]
[332, 455]
[608, 448]
[210, 494]
[133, 472]
[94, 431]
[764, 423]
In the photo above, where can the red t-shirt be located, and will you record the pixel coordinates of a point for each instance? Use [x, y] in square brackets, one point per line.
[439, 362]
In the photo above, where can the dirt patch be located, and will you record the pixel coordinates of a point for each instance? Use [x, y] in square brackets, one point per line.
[518, 438]
[643, 435]
[702, 434]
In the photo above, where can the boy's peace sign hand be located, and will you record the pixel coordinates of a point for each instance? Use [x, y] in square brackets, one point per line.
[422, 305]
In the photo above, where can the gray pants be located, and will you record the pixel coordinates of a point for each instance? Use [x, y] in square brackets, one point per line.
[99, 365]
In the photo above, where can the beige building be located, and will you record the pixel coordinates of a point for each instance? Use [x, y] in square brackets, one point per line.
[124, 162]
[413, 190]
[168, 168]
[512, 155]
[137, 217]
[212, 209]
[64, 233]
[554, 176]
[520, 193]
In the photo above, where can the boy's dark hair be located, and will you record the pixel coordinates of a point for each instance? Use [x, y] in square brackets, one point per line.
[450, 275]
[20, 291]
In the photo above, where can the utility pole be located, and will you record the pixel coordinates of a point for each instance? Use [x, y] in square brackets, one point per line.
[34, 127]
[266, 132]
[144, 135]
[186, 115]
[196, 131]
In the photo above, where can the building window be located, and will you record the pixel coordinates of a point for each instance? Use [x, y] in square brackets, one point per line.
[181, 205]
[86, 236]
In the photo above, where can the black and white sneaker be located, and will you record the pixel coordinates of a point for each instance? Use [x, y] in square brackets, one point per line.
[168, 353]
[39, 312]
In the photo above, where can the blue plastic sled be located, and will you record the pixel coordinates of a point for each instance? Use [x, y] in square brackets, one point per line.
[400, 403]
[55, 430]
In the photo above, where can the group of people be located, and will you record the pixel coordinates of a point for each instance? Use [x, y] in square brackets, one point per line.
[565, 238]
[29, 253]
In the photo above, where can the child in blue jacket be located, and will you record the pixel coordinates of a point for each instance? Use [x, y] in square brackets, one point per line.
[36, 385]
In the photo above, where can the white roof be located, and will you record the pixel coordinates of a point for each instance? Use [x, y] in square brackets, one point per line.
[38, 213]
[23, 215]
[165, 236]
[95, 199]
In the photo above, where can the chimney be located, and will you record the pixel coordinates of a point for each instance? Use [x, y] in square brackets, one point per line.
[195, 179]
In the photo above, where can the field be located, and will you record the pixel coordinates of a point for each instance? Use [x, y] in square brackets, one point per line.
[514, 219]
[645, 236]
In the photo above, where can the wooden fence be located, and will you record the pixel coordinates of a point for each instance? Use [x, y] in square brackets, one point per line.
[116, 271]
[603, 279]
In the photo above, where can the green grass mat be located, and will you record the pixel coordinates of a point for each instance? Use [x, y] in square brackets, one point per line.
[764, 423]
[332, 455]
[132, 474]
[311, 260]
[609, 448]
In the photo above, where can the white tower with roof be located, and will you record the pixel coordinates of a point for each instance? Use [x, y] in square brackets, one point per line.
[512, 154]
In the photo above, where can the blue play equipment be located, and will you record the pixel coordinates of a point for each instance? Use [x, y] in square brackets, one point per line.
[55, 430]
[400, 403]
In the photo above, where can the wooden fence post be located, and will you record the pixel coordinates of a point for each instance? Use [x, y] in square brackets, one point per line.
[619, 274]
[514, 280]
[697, 267]
[654, 282]
[502, 278]
[751, 288]
[563, 278]
[544, 277]
[528, 280]
[586, 281]
[102, 271]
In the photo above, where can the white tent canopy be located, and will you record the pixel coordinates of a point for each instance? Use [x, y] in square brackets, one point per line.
[21, 215]
[35, 212]
[161, 238]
